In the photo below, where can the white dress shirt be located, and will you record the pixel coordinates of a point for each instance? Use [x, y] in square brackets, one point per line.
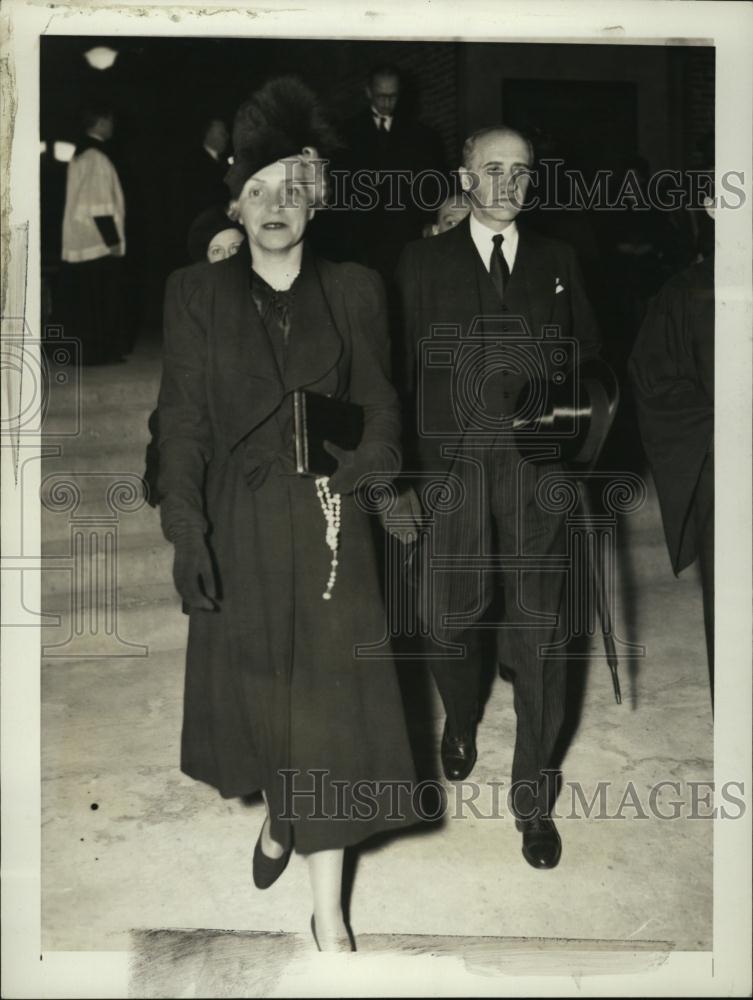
[386, 120]
[482, 236]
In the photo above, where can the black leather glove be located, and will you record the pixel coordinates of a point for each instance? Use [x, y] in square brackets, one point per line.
[351, 465]
[193, 573]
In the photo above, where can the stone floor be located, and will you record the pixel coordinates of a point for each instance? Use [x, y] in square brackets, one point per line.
[133, 849]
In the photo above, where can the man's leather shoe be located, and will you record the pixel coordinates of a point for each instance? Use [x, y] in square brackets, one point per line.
[458, 754]
[542, 846]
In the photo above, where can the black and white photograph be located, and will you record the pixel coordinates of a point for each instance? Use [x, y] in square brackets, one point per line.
[376, 479]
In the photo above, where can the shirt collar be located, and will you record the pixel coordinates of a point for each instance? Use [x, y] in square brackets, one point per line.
[482, 237]
[387, 118]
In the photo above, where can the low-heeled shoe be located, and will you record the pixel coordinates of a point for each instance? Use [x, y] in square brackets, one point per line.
[267, 870]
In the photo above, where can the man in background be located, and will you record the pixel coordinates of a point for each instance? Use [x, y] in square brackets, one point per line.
[384, 139]
[200, 184]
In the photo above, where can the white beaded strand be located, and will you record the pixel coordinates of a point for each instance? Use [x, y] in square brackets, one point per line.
[331, 508]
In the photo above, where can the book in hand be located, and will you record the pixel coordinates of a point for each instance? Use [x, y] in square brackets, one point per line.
[317, 419]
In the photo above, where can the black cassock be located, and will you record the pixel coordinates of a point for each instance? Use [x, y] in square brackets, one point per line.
[672, 372]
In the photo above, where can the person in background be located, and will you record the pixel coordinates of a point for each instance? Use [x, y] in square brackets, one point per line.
[452, 211]
[199, 183]
[384, 138]
[213, 237]
[672, 372]
[93, 246]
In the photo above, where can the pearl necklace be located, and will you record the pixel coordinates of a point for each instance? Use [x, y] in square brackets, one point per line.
[331, 507]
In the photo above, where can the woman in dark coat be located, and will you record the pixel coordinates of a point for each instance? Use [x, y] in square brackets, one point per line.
[276, 697]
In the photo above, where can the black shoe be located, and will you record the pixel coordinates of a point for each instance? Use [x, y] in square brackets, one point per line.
[542, 847]
[458, 754]
[341, 944]
[267, 870]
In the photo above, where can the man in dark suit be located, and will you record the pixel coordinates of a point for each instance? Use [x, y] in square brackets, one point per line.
[382, 141]
[200, 183]
[497, 293]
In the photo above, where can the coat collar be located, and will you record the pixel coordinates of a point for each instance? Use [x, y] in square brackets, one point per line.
[251, 385]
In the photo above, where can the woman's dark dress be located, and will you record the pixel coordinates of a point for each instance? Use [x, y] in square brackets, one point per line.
[272, 680]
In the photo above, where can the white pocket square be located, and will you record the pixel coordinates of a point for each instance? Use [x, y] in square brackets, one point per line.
[558, 287]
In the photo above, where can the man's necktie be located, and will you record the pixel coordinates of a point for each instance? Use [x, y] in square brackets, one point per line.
[499, 272]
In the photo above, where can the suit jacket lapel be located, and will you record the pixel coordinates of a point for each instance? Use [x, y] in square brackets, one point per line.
[532, 270]
[462, 284]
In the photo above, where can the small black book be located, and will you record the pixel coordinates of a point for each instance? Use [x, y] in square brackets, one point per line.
[317, 419]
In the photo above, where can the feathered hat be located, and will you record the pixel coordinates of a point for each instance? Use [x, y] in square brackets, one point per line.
[279, 120]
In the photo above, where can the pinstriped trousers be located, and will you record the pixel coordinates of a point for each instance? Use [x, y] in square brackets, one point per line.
[524, 616]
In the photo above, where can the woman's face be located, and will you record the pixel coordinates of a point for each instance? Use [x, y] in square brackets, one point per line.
[225, 244]
[275, 206]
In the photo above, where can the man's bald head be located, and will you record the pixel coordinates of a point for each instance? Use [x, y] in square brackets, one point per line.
[473, 140]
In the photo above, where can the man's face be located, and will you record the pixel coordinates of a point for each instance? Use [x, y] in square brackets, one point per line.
[217, 136]
[383, 93]
[496, 180]
[106, 126]
[224, 244]
[275, 206]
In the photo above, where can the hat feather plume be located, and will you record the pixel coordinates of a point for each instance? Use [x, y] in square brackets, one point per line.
[279, 120]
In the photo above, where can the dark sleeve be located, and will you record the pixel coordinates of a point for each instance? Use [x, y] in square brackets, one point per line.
[370, 384]
[151, 470]
[584, 325]
[106, 226]
[185, 440]
[407, 332]
[673, 406]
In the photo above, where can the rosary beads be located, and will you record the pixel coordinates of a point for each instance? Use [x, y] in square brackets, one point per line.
[330, 504]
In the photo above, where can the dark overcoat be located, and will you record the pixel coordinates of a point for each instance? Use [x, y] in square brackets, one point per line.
[273, 679]
[672, 373]
[458, 336]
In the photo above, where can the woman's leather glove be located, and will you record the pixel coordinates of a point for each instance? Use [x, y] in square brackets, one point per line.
[193, 573]
[351, 465]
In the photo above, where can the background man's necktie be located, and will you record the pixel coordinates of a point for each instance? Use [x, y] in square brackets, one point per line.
[499, 272]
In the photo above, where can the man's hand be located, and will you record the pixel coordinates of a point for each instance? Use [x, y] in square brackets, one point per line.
[193, 573]
[404, 520]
